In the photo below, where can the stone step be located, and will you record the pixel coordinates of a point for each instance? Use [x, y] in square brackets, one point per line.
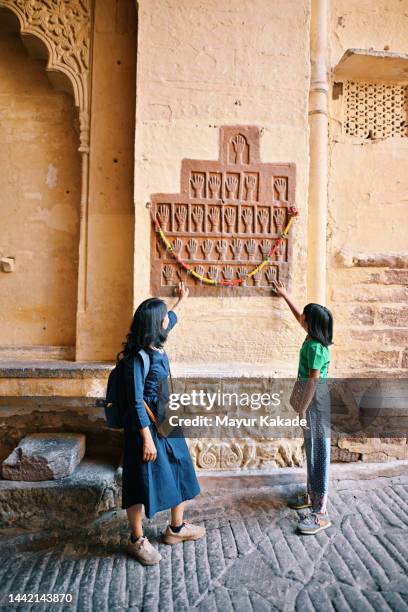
[75, 500]
[93, 490]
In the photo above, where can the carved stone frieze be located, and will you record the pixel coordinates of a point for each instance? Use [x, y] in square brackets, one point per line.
[225, 220]
[211, 454]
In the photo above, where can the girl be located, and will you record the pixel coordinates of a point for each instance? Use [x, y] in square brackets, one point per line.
[314, 361]
[157, 472]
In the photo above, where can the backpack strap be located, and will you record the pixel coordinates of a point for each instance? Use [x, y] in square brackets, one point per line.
[146, 362]
[146, 367]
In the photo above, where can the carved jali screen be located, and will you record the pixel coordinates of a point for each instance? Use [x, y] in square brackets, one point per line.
[225, 220]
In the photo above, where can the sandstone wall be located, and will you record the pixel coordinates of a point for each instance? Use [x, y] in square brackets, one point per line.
[368, 186]
[39, 186]
[200, 66]
[41, 192]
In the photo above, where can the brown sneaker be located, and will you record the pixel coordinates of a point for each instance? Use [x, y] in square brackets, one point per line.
[187, 532]
[313, 523]
[143, 551]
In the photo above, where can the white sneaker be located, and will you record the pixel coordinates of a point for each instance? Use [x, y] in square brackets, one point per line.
[187, 532]
[143, 551]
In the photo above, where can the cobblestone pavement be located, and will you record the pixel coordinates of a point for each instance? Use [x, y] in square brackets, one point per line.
[251, 559]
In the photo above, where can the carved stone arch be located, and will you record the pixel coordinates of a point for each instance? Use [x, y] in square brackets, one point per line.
[64, 27]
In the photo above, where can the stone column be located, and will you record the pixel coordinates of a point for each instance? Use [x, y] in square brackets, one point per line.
[318, 123]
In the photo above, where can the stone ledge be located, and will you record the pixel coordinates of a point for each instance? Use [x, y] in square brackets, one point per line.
[53, 369]
[206, 371]
[360, 259]
[231, 480]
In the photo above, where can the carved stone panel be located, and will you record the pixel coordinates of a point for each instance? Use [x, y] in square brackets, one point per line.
[225, 220]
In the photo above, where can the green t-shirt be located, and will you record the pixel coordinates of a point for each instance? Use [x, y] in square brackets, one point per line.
[313, 356]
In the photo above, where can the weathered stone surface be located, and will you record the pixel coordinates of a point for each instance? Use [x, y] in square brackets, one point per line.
[363, 314]
[396, 277]
[376, 449]
[343, 455]
[75, 500]
[374, 260]
[44, 456]
[251, 560]
[397, 317]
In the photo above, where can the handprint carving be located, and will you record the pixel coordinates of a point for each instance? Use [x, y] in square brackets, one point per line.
[181, 216]
[164, 216]
[257, 278]
[242, 274]
[197, 182]
[239, 142]
[250, 184]
[236, 248]
[266, 246]
[280, 250]
[207, 247]
[228, 273]
[200, 270]
[270, 275]
[280, 186]
[192, 248]
[230, 218]
[231, 185]
[221, 247]
[177, 244]
[168, 274]
[251, 248]
[279, 218]
[247, 219]
[214, 217]
[214, 185]
[213, 273]
[263, 218]
[197, 214]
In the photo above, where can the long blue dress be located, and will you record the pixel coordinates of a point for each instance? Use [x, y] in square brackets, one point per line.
[170, 479]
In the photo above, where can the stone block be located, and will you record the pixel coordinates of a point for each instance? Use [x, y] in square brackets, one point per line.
[47, 456]
[394, 316]
[75, 500]
[343, 455]
[383, 337]
[363, 314]
[396, 277]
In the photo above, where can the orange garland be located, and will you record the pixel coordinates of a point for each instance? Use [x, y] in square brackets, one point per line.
[293, 212]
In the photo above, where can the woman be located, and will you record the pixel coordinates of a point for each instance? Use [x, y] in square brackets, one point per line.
[157, 471]
[314, 359]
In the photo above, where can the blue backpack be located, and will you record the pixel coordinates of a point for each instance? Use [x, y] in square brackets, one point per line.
[116, 402]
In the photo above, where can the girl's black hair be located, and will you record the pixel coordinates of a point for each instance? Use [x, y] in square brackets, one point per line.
[319, 322]
[146, 328]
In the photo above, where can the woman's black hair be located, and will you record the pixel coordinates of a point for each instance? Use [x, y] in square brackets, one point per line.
[146, 329]
[319, 322]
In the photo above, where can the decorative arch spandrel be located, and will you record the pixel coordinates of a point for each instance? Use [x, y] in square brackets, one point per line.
[64, 27]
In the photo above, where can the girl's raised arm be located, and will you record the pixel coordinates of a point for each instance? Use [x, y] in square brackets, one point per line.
[182, 293]
[279, 288]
